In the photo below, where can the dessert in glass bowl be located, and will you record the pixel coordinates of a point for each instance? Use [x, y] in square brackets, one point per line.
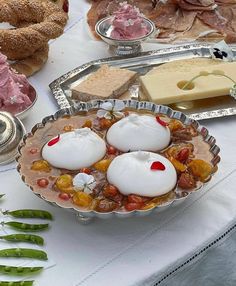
[116, 157]
[16, 94]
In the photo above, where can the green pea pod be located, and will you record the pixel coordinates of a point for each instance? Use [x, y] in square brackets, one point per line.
[2, 195]
[19, 237]
[29, 213]
[16, 283]
[26, 227]
[24, 252]
[19, 271]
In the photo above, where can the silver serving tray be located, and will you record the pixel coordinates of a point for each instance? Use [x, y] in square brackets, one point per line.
[142, 63]
[135, 105]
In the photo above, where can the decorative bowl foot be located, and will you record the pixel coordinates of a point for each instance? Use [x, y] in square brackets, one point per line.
[83, 219]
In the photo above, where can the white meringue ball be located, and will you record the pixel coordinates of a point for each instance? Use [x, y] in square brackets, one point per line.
[77, 149]
[131, 173]
[138, 132]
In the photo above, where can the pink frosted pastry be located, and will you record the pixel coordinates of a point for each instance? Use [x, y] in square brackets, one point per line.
[14, 89]
[128, 23]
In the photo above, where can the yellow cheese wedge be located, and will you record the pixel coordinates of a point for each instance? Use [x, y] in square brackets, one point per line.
[165, 87]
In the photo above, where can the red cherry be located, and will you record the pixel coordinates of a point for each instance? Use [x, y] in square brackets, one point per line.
[33, 150]
[133, 206]
[111, 150]
[86, 171]
[42, 182]
[161, 122]
[64, 196]
[157, 166]
[65, 6]
[54, 141]
[135, 199]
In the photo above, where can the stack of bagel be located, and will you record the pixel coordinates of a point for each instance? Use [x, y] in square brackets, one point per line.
[35, 22]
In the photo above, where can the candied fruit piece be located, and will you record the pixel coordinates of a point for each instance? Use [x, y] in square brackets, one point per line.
[178, 165]
[64, 183]
[33, 151]
[105, 123]
[200, 168]
[42, 182]
[175, 124]
[82, 199]
[41, 165]
[87, 123]
[148, 206]
[64, 196]
[186, 181]
[105, 205]
[111, 192]
[68, 128]
[102, 165]
[87, 171]
[133, 206]
[111, 150]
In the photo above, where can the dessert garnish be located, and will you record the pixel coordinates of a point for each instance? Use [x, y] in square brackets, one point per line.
[111, 111]
[14, 89]
[128, 23]
[84, 182]
[156, 166]
[76, 149]
[54, 140]
[136, 129]
[160, 121]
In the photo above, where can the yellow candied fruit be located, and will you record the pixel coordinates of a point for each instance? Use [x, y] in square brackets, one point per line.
[41, 165]
[82, 199]
[64, 183]
[102, 165]
[200, 169]
[68, 128]
[175, 125]
[87, 123]
[178, 166]
[148, 206]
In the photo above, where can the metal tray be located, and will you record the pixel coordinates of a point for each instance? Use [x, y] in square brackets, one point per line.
[144, 62]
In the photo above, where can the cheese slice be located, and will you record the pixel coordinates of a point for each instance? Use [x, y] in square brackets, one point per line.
[164, 87]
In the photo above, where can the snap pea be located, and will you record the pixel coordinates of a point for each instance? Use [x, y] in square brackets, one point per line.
[29, 213]
[24, 252]
[19, 237]
[2, 195]
[21, 271]
[26, 227]
[16, 283]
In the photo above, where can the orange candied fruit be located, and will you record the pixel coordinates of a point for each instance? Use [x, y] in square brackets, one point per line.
[68, 128]
[64, 183]
[87, 123]
[105, 123]
[41, 165]
[175, 125]
[178, 165]
[82, 199]
[200, 168]
[102, 165]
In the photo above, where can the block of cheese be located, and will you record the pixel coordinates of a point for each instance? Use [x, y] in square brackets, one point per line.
[106, 82]
[165, 87]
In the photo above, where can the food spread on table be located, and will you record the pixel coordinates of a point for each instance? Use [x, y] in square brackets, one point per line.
[115, 159]
[178, 20]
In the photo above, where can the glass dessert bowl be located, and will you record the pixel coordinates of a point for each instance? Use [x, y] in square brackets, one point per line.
[117, 158]
[125, 30]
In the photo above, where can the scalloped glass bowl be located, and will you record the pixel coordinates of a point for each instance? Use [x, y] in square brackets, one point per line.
[132, 105]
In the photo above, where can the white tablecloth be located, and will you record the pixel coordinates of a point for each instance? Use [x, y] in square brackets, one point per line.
[134, 251]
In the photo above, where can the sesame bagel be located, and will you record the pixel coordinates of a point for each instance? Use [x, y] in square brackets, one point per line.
[36, 23]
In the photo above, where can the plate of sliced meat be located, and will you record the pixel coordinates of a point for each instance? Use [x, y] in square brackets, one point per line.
[178, 20]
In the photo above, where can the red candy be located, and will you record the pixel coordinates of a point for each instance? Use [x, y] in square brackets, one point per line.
[133, 206]
[160, 121]
[54, 141]
[42, 182]
[111, 150]
[157, 166]
[64, 196]
[33, 150]
[86, 171]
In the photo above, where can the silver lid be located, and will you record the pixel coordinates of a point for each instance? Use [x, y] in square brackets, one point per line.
[11, 133]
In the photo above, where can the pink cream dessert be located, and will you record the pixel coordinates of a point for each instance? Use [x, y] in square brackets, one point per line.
[14, 89]
[128, 23]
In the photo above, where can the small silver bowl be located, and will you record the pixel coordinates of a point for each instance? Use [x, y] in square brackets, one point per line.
[122, 47]
[33, 97]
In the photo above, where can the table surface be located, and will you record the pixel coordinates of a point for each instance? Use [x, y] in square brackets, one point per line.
[134, 251]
